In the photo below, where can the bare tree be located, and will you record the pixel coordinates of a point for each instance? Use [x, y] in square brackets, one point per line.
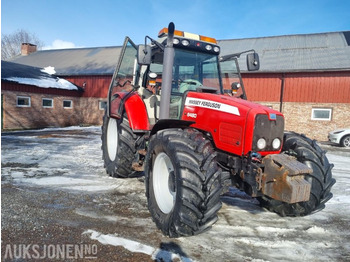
[11, 43]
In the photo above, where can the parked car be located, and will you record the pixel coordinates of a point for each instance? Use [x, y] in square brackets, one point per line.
[340, 137]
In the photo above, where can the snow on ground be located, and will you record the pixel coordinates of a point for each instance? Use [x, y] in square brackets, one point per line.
[43, 163]
[70, 159]
[133, 246]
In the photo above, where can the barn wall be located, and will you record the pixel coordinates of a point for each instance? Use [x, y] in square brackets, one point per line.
[298, 118]
[263, 87]
[95, 85]
[85, 110]
[322, 87]
[36, 116]
[301, 93]
[313, 87]
[90, 110]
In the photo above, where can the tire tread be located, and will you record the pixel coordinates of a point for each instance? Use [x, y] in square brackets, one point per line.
[308, 152]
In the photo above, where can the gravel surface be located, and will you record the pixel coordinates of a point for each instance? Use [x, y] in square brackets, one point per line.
[58, 204]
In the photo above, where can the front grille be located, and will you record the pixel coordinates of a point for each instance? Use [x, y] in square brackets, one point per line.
[269, 130]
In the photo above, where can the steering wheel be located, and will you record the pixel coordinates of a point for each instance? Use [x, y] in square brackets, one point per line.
[189, 84]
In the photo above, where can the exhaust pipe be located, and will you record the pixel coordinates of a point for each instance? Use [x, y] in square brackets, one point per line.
[168, 62]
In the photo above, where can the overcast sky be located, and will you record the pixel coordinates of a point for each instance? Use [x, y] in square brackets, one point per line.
[91, 23]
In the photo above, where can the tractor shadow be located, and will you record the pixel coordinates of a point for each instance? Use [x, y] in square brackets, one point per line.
[168, 250]
[236, 198]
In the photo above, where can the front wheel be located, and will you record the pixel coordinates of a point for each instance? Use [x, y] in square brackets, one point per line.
[309, 153]
[183, 183]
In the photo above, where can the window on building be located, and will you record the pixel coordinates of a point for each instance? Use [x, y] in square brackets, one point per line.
[321, 114]
[47, 102]
[102, 105]
[23, 101]
[67, 103]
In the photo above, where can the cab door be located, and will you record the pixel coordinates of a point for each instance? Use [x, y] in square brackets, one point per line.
[124, 78]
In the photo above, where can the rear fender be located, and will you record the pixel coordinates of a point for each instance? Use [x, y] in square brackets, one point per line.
[135, 110]
[170, 123]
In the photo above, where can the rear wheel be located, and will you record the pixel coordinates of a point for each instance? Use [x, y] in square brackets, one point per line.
[183, 183]
[309, 153]
[118, 146]
[345, 141]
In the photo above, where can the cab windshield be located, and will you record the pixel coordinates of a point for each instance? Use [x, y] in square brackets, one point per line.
[192, 70]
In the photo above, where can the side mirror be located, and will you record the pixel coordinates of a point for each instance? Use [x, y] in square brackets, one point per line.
[253, 63]
[144, 54]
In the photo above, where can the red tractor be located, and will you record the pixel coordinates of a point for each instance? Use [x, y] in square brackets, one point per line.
[178, 112]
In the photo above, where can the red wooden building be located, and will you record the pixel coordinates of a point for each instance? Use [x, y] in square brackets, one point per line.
[307, 77]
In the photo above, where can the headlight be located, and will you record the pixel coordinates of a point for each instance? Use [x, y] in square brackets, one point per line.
[176, 41]
[185, 42]
[261, 144]
[276, 143]
[216, 49]
[208, 47]
[338, 132]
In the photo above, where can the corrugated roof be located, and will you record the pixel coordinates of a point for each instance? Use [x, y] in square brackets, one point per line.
[9, 69]
[77, 61]
[311, 52]
[288, 53]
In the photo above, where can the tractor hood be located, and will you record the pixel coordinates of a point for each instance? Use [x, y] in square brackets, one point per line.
[227, 104]
[235, 124]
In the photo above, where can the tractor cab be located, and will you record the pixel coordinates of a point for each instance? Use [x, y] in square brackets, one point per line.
[192, 66]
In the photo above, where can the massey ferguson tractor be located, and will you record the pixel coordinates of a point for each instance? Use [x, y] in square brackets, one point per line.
[177, 111]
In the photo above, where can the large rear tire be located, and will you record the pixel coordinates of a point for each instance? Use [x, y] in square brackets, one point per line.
[118, 146]
[183, 184]
[309, 153]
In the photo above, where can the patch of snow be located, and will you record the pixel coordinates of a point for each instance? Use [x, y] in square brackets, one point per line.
[80, 168]
[275, 230]
[316, 230]
[44, 82]
[49, 70]
[134, 246]
[130, 245]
